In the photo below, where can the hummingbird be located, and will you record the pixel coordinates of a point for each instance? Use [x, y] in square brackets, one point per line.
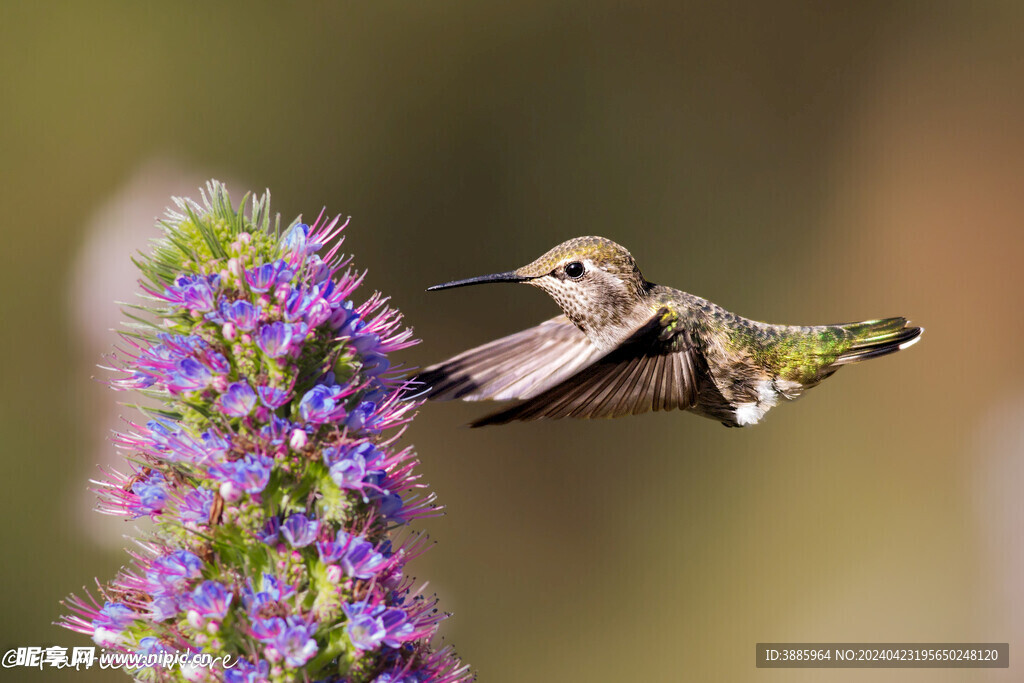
[624, 346]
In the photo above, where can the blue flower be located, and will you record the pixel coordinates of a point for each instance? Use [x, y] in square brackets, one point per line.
[271, 592]
[299, 530]
[251, 474]
[171, 573]
[307, 306]
[370, 626]
[363, 417]
[267, 629]
[357, 556]
[245, 671]
[267, 276]
[270, 532]
[341, 317]
[273, 397]
[317, 269]
[151, 493]
[348, 473]
[115, 616]
[196, 292]
[151, 646]
[391, 507]
[295, 642]
[163, 607]
[364, 343]
[294, 240]
[350, 468]
[242, 313]
[238, 400]
[366, 631]
[275, 339]
[319, 404]
[195, 506]
[198, 296]
[189, 375]
[374, 364]
[210, 600]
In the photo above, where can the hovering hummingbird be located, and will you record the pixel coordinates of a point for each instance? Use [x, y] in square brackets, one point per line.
[626, 346]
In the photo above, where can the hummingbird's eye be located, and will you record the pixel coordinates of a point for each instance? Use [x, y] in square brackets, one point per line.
[574, 270]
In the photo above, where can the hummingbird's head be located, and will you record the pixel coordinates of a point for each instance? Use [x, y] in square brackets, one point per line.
[595, 281]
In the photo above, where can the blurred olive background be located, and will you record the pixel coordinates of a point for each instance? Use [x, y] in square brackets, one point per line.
[795, 162]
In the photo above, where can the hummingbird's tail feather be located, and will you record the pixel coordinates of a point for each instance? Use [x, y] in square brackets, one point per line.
[874, 338]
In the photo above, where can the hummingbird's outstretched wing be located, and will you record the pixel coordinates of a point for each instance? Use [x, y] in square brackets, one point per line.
[518, 366]
[654, 369]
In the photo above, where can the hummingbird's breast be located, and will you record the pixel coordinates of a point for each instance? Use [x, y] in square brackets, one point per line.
[605, 315]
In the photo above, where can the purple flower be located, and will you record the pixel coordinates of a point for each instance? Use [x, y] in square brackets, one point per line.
[267, 276]
[401, 677]
[273, 397]
[267, 629]
[151, 646]
[391, 507]
[275, 339]
[238, 400]
[294, 240]
[245, 671]
[151, 493]
[115, 616]
[270, 593]
[342, 316]
[195, 506]
[320, 404]
[308, 307]
[295, 642]
[242, 313]
[374, 365]
[364, 343]
[317, 269]
[163, 607]
[351, 468]
[198, 296]
[363, 417]
[177, 445]
[299, 530]
[370, 626]
[250, 474]
[348, 473]
[365, 450]
[276, 432]
[270, 532]
[365, 630]
[352, 324]
[357, 556]
[189, 375]
[171, 573]
[209, 600]
[193, 292]
[217, 362]
[362, 561]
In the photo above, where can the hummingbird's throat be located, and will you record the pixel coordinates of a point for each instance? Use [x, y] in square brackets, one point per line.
[606, 312]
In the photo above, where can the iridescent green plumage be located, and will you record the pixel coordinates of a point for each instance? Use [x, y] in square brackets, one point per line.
[625, 346]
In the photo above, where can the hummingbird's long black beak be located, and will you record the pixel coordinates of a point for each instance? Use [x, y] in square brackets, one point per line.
[510, 276]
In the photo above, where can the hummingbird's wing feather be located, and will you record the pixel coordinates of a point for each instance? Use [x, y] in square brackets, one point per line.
[518, 366]
[654, 369]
